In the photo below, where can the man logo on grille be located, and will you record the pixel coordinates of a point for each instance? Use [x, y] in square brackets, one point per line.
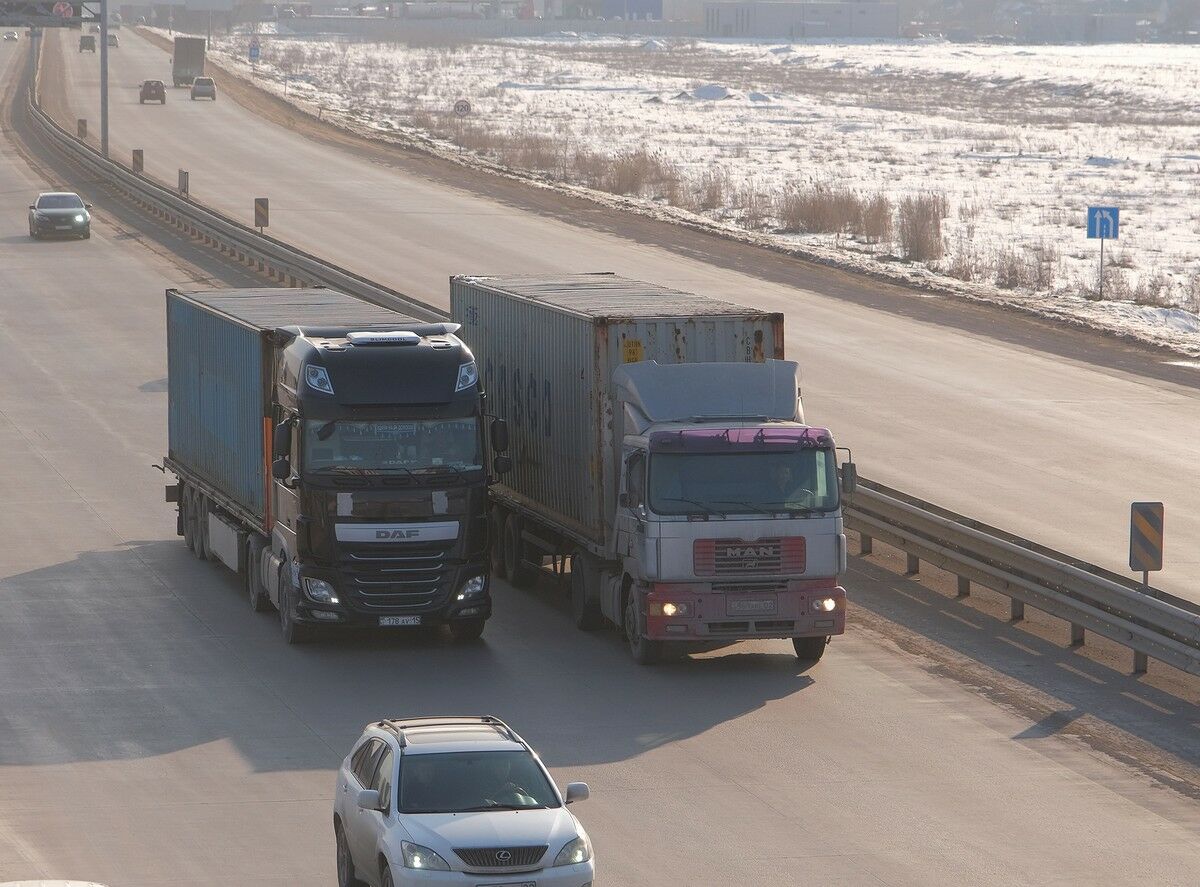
[503, 855]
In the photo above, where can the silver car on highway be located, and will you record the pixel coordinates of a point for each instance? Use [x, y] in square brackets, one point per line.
[454, 801]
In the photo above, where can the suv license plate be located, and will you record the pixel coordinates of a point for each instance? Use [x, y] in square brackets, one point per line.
[750, 608]
[399, 620]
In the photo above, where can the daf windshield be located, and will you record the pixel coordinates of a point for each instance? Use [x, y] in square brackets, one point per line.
[741, 483]
[410, 445]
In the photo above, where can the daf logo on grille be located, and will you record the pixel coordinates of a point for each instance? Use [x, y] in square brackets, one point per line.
[503, 855]
[396, 534]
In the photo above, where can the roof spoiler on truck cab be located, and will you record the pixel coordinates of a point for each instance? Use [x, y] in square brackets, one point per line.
[421, 329]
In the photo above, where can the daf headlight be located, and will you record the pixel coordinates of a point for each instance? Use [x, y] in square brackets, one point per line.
[468, 375]
[320, 590]
[472, 587]
[579, 850]
[418, 857]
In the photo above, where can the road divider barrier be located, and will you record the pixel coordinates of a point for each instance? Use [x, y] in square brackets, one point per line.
[1089, 598]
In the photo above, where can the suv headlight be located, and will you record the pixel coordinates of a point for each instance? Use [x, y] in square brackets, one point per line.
[472, 587]
[79, 217]
[577, 851]
[320, 590]
[418, 857]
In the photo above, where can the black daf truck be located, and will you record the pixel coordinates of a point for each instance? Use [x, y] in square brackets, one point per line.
[332, 452]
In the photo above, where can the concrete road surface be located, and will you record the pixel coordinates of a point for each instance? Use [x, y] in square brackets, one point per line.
[156, 733]
[981, 419]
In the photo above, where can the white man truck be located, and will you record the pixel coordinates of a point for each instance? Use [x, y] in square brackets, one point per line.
[659, 447]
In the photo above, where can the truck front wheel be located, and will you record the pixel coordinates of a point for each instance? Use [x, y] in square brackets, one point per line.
[259, 602]
[585, 597]
[466, 630]
[810, 649]
[643, 650]
[496, 553]
[519, 572]
[293, 632]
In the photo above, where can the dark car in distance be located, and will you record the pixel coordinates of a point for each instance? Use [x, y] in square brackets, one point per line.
[59, 214]
[204, 88]
[152, 91]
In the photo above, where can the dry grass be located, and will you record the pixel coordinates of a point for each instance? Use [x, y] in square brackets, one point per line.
[920, 226]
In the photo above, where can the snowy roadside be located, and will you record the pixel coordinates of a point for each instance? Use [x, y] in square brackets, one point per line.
[354, 85]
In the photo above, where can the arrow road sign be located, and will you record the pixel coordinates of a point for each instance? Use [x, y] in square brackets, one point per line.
[1103, 222]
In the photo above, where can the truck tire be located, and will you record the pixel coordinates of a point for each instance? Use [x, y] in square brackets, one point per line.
[496, 552]
[519, 572]
[189, 529]
[643, 650]
[810, 649]
[464, 631]
[259, 601]
[585, 597]
[293, 632]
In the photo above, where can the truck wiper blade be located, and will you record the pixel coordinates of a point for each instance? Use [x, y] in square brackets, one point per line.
[703, 506]
[433, 469]
[748, 505]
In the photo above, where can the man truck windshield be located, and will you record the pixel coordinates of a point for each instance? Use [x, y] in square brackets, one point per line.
[410, 445]
[736, 483]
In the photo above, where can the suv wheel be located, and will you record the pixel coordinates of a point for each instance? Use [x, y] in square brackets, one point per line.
[387, 877]
[345, 862]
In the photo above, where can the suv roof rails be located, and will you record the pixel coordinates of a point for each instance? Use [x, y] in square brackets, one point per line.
[396, 726]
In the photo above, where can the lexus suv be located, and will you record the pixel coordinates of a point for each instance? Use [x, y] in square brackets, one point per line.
[59, 214]
[454, 801]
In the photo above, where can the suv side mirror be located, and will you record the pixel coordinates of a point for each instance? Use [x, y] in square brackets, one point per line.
[31, 206]
[281, 468]
[499, 436]
[849, 478]
[577, 791]
[502, 464]
[368, 799]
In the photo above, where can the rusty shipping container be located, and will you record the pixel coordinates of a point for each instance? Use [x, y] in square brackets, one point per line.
[546, 349]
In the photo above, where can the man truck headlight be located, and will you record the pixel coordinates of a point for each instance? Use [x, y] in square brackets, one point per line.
[472, 587]
[579, 850]
[824, 605]
[320, 590]
[671, 608]
[418, 857]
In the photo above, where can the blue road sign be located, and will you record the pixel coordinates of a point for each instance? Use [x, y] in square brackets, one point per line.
[1103, 222]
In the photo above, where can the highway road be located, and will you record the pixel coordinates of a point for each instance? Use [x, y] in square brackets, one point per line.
[980, 415]
[155, 733]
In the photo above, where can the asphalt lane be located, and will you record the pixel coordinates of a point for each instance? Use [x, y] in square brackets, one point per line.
[155, 732]
[1050, 447]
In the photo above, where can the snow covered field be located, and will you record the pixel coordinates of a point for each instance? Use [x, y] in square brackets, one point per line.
[817, 147]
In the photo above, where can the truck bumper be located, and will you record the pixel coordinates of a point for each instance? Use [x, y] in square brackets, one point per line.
[450, 604]
[697, 611]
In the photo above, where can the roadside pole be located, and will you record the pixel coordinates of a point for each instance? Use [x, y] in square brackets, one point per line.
[104, 77]
[1103, 222]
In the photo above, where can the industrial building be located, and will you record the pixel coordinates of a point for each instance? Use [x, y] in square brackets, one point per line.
[778, 19]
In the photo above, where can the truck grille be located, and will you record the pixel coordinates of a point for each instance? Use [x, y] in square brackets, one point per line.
[501, 857]
[729, 557]
[397, 576]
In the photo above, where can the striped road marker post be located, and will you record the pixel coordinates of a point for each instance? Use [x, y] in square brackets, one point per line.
[1145, 551]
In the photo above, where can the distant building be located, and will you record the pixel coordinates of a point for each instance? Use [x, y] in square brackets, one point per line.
[1079, 27]
[631, 9]
[778, 19]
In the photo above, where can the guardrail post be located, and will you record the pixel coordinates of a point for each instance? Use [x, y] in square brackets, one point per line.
[183, 182]
[1139, 662]
[964, 586]
[865, 544]
[81, 128]
[1016, 609]
[1076, 635]
[138, 161]
[912, 566]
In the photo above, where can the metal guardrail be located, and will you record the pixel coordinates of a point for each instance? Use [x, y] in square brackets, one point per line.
[1151, 623]
[274, 258]
[1090, 598]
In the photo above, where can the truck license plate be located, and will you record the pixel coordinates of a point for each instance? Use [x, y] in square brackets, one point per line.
[399, 620]
[758, 607]
[511, 884]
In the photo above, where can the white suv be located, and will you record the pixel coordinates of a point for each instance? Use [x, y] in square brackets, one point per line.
[455, 801]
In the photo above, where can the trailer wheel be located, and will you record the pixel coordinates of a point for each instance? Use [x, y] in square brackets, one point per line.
[200, 509]
[496, 553]
[643, 650]
[810, 649]
[585, 598]
[519, 572]
[259, 602]
[185, 506]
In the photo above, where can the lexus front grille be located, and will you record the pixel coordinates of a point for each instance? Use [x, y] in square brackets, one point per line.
[501, 857]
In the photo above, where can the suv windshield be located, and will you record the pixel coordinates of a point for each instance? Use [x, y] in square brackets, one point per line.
[460, 782]
[59, 201]
[740, 483]
[413, 445]
[203, 81]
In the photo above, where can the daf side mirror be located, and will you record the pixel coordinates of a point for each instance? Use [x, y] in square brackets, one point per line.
[368, 799]
[281, 442]
[502, 464]
[849, 478]
[577, 791]
[499, 436]
[281, 468]
[623, 500]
